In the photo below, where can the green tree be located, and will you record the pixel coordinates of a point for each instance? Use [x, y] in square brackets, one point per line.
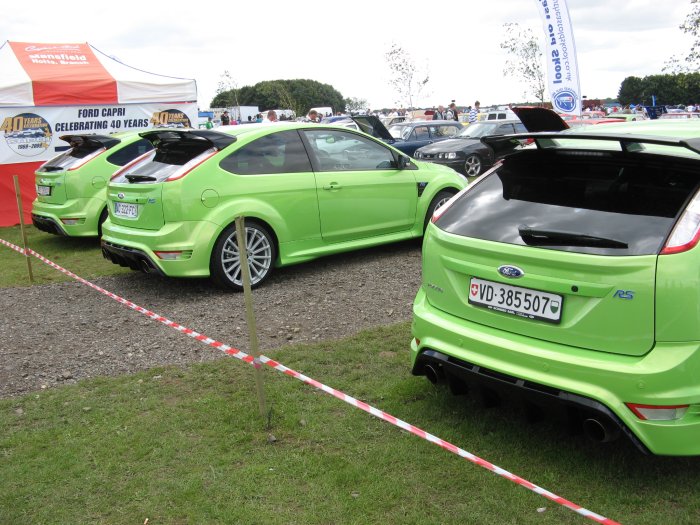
[525, 62]
[667, 89]
[409, 82]
[631, 91]
[691, 26]
[298, 95]
[228, 90]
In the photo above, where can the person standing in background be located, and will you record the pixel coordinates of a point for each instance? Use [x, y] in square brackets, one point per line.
[474, 112]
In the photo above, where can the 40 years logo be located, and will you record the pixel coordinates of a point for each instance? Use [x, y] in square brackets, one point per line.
[27, 134]
[170, 118]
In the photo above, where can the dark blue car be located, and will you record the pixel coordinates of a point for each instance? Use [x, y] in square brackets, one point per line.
[409, 136]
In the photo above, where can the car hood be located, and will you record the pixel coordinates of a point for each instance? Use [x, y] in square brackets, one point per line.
[373, 126]
[449, 145]
[540, 119]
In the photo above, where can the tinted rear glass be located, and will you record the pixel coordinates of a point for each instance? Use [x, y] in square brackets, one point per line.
[130, 152]
[78, 151]
[627, 206]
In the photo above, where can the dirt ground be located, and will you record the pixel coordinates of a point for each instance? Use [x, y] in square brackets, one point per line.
[62, 333]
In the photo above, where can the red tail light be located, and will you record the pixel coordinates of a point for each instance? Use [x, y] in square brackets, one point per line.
[686, 232]
[658, 412]
[131, 164]
[86, 159]
[189, 166]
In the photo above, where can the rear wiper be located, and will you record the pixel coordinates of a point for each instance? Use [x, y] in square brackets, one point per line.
[536, 237]
[140, 178]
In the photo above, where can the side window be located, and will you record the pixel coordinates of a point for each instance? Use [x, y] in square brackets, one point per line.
[504, 129]
[421, 133]
[281, 152]
[130, 152]
[336, 150]
[520, 128]
[445, 131]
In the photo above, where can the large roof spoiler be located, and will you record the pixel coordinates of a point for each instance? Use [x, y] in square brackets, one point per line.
[628, 143]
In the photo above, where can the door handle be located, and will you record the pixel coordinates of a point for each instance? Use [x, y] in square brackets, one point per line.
[332, 186]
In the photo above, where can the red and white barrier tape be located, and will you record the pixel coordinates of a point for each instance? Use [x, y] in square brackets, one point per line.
[335, 393]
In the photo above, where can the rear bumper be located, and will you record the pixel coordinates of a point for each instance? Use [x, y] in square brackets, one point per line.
[47, 224]
[48, 217]
[568, 378]
[135, 248]
[129, 258]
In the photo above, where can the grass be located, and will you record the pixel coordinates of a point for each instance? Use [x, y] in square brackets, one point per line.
[187, 445]
[81, 255]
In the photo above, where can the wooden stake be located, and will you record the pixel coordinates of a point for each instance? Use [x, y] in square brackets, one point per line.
[241, 238]
[21, 227]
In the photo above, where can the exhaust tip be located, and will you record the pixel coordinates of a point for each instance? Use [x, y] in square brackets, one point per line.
[600, 431]
[434, 374]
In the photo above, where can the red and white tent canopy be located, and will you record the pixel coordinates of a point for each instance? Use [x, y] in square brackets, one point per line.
[65, 74]
[48, 90]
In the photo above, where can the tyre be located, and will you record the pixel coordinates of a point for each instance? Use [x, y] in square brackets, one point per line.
[225, 266]
[441, 198]
[473, 165]
[103, 218]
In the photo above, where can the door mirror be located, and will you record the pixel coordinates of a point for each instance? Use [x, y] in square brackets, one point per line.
[403, 162]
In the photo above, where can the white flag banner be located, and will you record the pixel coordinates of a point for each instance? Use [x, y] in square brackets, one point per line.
[560, 53]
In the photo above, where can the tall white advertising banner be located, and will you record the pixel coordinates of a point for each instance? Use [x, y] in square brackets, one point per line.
[560, 53]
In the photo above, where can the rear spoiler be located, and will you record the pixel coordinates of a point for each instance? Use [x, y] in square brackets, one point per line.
[628, 143]
[218, 140]
[96, 141]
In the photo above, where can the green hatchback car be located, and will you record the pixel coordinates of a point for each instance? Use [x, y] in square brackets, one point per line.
[71, 188]
[306, 190]
[567, 279]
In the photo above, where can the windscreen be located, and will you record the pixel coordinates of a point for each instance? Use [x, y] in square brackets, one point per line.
[80, 149]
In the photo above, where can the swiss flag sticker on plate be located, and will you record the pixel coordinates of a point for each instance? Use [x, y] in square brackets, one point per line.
[474, 289]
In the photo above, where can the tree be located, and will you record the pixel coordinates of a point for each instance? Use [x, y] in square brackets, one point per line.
[526, 59]
[354, 105]
[667, 89]
[408, 81]
[691, 26]
[228, 90]
[298, 95]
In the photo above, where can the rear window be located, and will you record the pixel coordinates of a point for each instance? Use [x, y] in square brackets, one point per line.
[130, 152]
[606, 205]
[79, 150]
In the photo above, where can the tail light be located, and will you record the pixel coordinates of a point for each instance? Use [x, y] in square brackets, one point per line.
[192, 164]
[658, 412]
[686, 232]
[131, 164]
[86, 159]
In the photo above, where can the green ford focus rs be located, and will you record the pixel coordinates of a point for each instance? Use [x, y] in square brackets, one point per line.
[567, 279]
[305, 191]
[71, 188]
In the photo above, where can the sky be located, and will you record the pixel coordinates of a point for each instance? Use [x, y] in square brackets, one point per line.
[344, 44]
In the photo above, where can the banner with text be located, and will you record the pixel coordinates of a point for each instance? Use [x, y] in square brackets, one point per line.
[32, 134]
[560, 54]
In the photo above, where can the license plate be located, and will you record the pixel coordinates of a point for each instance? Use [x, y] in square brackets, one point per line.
[44, 191]
[513, 300]
[125, 209]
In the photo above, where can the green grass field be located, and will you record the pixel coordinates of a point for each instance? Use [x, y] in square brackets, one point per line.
[181, 446]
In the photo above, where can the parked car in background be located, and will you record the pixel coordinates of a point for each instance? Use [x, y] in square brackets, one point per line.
[566, 280]
[679, 115]
[466, 153]
[305, 190]
[408, 136]
[71, 188]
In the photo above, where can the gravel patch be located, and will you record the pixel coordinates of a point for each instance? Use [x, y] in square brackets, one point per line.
[61, 333]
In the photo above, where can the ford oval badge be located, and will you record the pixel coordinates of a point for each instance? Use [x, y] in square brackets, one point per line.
[512, 272]
[120, 195]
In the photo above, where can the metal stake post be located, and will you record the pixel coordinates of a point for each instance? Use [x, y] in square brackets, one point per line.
[241, 238]
[21, 227]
